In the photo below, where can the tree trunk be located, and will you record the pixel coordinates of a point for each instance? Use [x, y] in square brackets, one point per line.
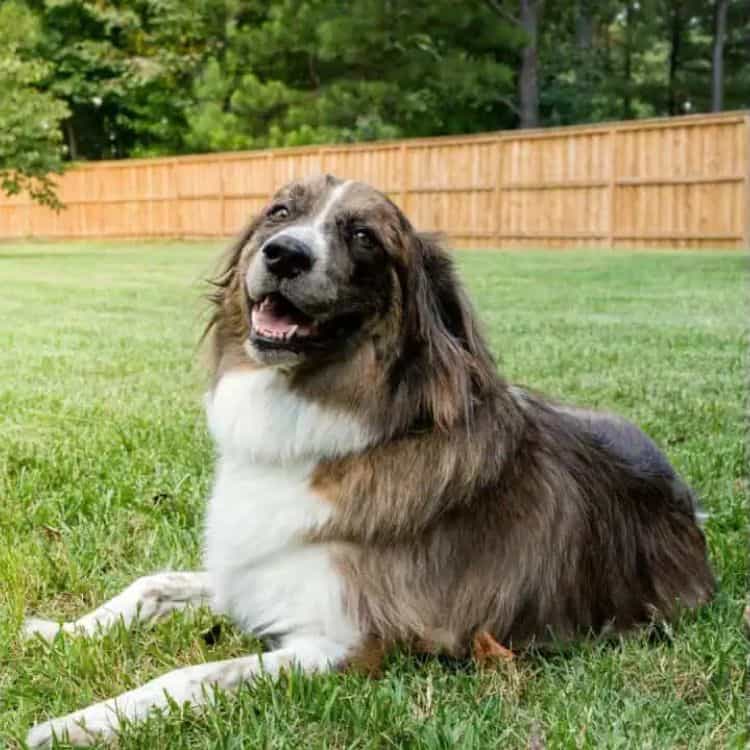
[627, 107]
[717, 68]
[674, 56]
[528, 79]
[585, 25]
[584, 59]
[70, 137]
[608, 66]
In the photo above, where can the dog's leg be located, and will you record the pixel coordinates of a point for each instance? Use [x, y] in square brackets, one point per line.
[148, 599]
[193, 685]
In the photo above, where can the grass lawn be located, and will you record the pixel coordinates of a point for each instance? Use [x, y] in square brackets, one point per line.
[105, 464]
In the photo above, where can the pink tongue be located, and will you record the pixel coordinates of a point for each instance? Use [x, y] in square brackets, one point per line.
[269, 321]
[265, 321]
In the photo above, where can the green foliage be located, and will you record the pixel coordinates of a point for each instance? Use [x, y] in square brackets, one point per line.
[643, 58]
[125, 78]
[313, 72]
[30, 117]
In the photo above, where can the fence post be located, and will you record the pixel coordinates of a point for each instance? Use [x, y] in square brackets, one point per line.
[746, 197]
[404, 192]
[222, 217]
[271, 173]
[28, 219]
[611, 230]
[497, 192]
[176, 198]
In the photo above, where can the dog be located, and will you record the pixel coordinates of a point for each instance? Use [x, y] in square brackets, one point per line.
[378, 484]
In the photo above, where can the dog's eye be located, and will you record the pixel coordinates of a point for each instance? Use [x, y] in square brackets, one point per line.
[278, 212]
[363, 235]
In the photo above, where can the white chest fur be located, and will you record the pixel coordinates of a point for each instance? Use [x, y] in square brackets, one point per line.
[254, 416]
[269, 440]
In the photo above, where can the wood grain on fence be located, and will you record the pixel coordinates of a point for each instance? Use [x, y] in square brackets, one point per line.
[679, 182]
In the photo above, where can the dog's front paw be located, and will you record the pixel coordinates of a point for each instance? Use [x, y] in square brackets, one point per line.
[76, 729]
[42, 735]
[46, 629]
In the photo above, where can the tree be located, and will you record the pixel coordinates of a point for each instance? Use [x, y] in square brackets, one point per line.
[527, 23]
[118, 78]
[717, 68]
[30, 118]
[584, 24]
[675, 16]
[304, 72]
[528, 79]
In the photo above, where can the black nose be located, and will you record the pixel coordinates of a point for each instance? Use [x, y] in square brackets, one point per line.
[287, 257]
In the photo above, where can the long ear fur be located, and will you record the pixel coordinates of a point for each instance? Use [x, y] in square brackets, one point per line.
[226, 314]
[450, 368]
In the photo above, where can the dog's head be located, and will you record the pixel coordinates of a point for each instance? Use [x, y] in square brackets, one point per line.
[319, 270]
[332, 268]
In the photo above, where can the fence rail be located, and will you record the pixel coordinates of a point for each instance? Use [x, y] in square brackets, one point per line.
[678, 182]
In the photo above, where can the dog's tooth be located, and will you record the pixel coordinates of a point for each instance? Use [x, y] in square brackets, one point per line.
[292, 331]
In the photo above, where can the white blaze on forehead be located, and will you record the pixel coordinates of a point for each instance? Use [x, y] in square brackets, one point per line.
[311, 231]
[336, 194]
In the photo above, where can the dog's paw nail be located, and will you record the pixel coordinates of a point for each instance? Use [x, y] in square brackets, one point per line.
[33, 627]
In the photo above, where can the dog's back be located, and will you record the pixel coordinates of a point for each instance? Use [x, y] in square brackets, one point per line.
[629, 442]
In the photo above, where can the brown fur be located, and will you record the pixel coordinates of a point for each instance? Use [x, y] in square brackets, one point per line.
[481, 507]
[485, 650]
[368, 658]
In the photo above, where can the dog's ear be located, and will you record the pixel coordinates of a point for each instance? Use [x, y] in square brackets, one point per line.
[443, 310]
[226, 316]
[224, 277]
[455, 362]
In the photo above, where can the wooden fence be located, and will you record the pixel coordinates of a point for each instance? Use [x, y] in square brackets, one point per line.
[680, 182]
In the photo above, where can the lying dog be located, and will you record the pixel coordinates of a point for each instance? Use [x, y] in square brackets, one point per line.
[379, 484]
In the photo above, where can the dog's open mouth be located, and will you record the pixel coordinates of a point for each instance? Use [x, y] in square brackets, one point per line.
[276, 323]
[275, 318]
